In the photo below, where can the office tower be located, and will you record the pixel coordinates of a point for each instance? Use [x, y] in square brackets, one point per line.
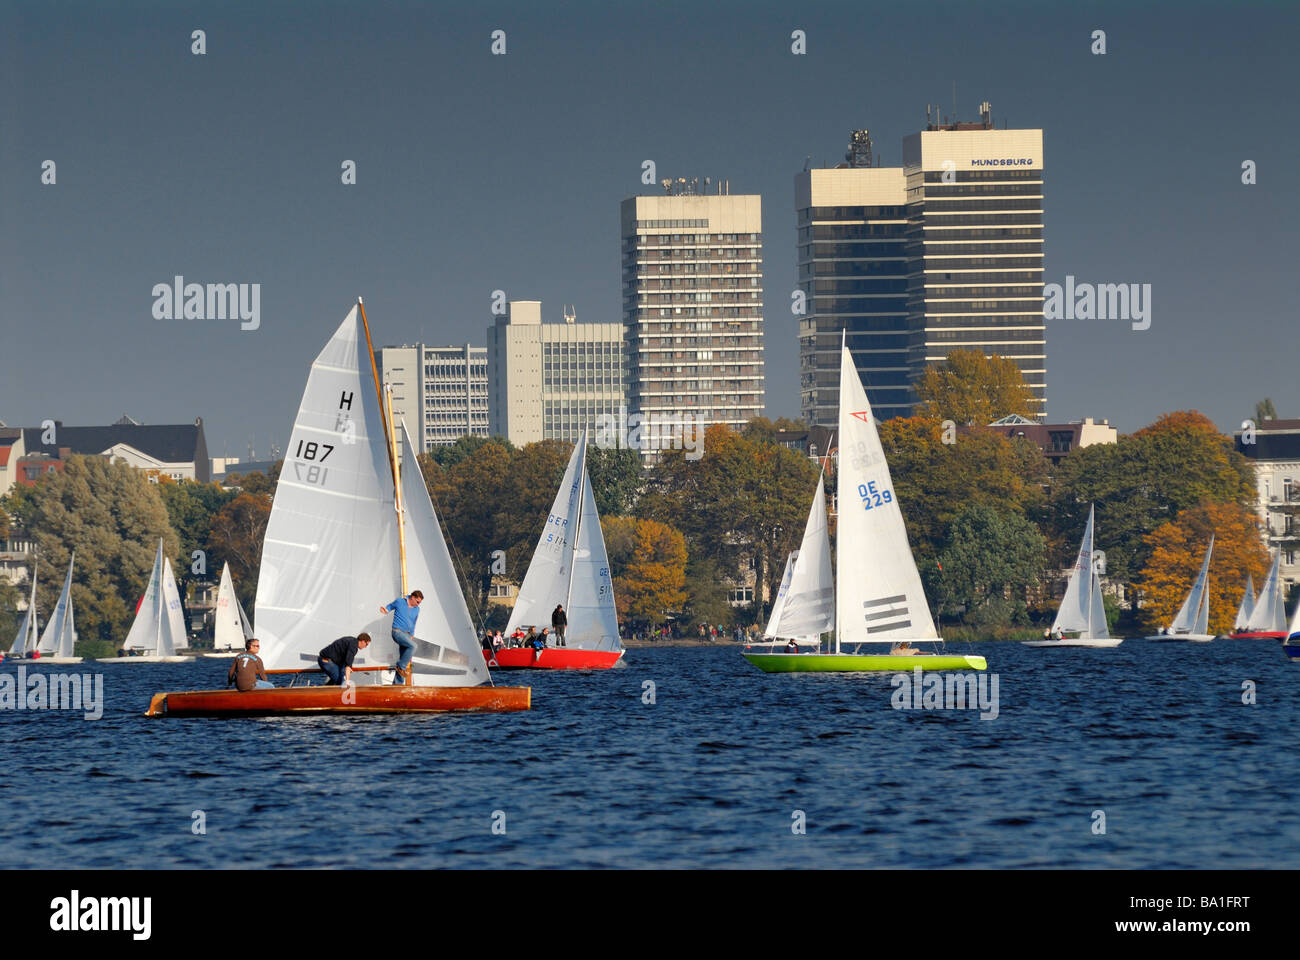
[441, 392]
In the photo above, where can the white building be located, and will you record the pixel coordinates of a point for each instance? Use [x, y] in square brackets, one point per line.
[1276, 456]
[547, 381]
[693, 306]
[441, 392]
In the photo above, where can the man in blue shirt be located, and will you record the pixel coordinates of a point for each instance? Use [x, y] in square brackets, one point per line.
[406, 610]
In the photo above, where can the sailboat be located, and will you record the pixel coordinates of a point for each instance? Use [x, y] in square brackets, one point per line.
[804, 608]
[877, 590]
[1247, 605]
[1193, 619]
[230, 627]
[1267, 619]
[1082, 612]
[351, 527]
[1291, 645]
[29, 631]
[159, 626]
[569, 566]
[58, 642]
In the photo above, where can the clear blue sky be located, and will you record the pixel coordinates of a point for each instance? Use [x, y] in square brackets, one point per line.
[478, 172]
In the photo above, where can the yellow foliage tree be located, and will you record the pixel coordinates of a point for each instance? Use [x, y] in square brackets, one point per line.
[972, 388]
[1177, 549]
[648, 562]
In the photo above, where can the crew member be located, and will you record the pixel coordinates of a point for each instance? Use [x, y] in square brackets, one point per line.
[246, 670]
[336, 659]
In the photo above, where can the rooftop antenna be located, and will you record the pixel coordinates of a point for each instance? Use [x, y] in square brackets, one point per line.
[570, 313]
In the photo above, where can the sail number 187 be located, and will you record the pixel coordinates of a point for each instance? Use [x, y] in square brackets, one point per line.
[873, 498]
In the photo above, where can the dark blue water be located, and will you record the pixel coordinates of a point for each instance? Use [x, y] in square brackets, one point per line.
[1154, 735]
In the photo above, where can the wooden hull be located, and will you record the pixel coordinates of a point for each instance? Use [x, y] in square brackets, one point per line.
[333, 699]
[857, 663]
[145, 659]
[553, 658]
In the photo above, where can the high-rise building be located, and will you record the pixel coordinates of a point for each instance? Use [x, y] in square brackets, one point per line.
[549, 381]
[852, 270]
[441, 392]
[975, 220]
[693, 306]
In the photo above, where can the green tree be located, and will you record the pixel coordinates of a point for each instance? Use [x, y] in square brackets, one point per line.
[989, 561]
[236, 536]
[113, 517]
[1264, 410]
[707, 597]
[447, 455]
[1141, 482]
[256, 483]
[972, 388]
[616, 478]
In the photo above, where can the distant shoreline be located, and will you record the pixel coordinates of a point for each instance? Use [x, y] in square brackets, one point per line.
[681, 642]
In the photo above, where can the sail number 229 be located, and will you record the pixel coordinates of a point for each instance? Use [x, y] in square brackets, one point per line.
[871, 497]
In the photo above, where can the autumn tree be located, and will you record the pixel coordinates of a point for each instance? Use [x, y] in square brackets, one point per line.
[972, 388]
[648, 567]
[238, 530]
[1141, 482]
[113, 517]
[1176, 550]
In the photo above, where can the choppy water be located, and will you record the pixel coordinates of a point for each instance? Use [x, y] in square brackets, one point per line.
[1155, 735]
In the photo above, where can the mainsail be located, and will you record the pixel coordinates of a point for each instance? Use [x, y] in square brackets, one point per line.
[1269, 613]
[330, 558]
[1082, 611]
[1194, 615]
[807, 601]
[27, 637]
[570, 566]
[231, 626]
[159, 625]
[60, 636]
[880, 598]
[1247, 605]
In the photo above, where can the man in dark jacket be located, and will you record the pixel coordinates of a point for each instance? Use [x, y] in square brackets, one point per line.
[336, 659]
[559, 620]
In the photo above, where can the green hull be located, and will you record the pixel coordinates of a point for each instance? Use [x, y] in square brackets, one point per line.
[846, 662]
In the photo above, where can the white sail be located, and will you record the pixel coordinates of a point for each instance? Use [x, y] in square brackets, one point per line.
[1247, 605]
[147, 626]
[447, 650]
[547, 581]
[330, 556]
[774, 621]
[1195, 605]
[228, 630]
[27, 638]
[1082, 610]
[1269, 613]
[60, 636]
[171, 623]
[808, 607]
[592, 616]
[880, 598]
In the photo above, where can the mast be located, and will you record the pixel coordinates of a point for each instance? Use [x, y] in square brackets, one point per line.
[1092, 566]
[582, 489]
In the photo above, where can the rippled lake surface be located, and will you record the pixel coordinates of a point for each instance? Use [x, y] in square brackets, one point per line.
[709, 775]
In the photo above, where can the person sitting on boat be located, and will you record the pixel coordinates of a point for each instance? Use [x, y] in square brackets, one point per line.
[540, 642]
[336, 659]
[530, 638]
[406, 610]
[903, 649]
[559, 621]
[247, 671]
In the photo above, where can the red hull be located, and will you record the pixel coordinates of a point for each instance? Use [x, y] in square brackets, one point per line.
[332, 699]
[553, 658]
[1259, 635]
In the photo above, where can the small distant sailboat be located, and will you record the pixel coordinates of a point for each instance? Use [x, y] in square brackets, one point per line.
[1291, 645]
[231, 627]
[159, 627]
[569, 566]
[1082, 612]
[1267, 619]
[877, 595]
[28, 635]
[1247, 605]
[1193, 619]
[59, 641]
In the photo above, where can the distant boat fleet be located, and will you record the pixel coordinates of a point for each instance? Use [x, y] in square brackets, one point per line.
[352, 522]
